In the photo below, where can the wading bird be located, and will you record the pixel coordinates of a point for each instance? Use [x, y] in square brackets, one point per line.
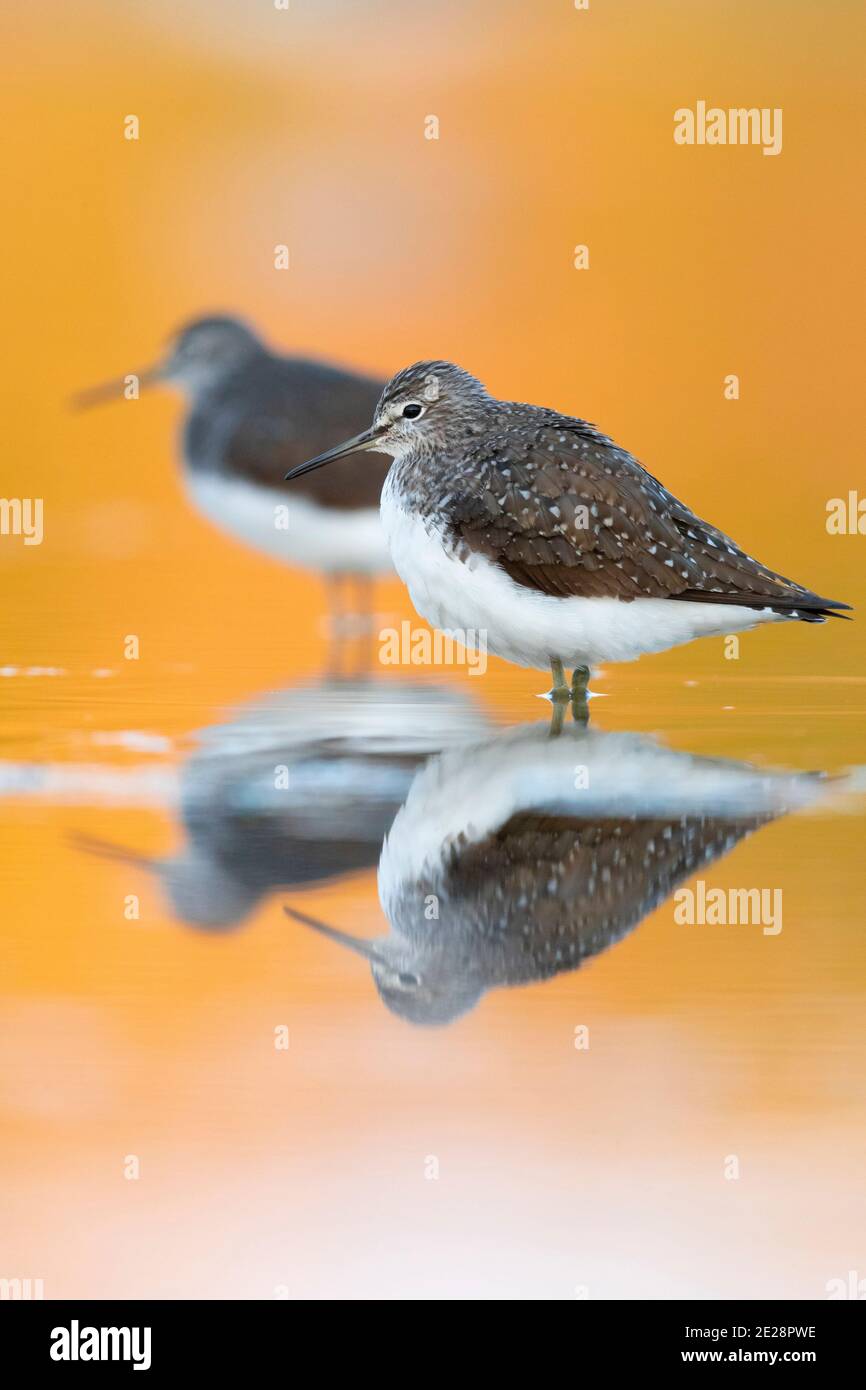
[536, 529]
[252, 414]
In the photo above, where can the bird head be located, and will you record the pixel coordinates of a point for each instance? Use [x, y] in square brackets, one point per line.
[420, 408]
[200, 892]
[205, 349]
[196, 356]
[420, 989]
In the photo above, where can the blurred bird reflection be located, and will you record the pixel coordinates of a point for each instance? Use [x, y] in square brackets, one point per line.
[503, 857]
[298, 789]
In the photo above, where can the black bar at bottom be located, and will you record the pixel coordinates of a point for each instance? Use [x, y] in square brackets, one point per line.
[154, 1338]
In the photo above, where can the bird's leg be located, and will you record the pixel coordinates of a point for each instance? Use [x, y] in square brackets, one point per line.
[364, 591]
[559, 696]
[557, 717]
[334, 583]
[579, 694]
[560, 689]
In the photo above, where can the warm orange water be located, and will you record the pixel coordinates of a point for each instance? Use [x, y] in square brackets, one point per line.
[305, 1170]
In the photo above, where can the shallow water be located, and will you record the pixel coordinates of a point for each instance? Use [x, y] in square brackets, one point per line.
[546, 1083]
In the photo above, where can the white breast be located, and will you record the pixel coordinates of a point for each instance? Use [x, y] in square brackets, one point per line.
[528, 628]
[322, 538]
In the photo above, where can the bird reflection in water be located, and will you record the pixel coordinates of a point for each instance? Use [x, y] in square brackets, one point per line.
[523, 856]
[504, 858]
[297, 790]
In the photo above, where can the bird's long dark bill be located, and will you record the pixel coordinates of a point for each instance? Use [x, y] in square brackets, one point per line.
[354, 943]
[113, 390]
[367, 439]
[104, 849]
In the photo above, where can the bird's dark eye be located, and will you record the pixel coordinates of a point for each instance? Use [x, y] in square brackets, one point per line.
[408, 980]
[411, 411]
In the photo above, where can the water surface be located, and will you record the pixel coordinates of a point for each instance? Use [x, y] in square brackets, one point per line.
[486, 1057]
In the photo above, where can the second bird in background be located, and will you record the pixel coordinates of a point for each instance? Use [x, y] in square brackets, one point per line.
[252, 416]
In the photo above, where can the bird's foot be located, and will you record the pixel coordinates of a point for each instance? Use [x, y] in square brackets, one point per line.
[560, 690]
[580, 694]
[557, 716]
[559, 696]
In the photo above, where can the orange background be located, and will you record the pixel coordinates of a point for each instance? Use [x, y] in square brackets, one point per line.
[261, 127]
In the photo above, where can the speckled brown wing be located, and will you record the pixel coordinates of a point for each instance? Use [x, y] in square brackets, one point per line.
[562, 510]
[567, 888]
